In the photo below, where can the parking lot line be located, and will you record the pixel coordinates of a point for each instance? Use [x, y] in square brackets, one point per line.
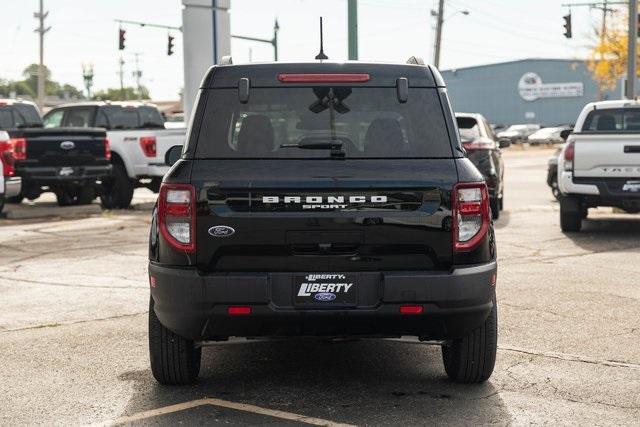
[223, 404]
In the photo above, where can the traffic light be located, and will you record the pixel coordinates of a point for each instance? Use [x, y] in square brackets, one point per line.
[121, 39]
[567, 25]
[170, 45]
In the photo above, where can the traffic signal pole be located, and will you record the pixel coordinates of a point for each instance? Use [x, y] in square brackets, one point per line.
[632, 48]
[353, 29]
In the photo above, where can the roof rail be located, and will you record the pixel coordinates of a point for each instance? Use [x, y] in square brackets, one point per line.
[415, 60]
[226, 60]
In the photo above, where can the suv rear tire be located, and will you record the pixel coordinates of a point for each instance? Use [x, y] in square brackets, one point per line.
[571, 214]
[118, 189]
[472, 358]
[174, 360]
[495, 207]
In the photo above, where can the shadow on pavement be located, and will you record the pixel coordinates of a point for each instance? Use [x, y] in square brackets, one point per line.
[357, 382]
[608, 234]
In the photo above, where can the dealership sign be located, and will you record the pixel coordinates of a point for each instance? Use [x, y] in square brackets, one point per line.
[530, 88]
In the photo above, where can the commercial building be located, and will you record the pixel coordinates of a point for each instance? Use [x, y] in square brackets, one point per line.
[544, 91]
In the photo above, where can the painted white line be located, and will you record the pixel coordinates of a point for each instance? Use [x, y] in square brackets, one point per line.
[223, 404]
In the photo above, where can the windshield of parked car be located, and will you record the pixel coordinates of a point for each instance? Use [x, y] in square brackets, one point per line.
[318, 122]
[469, 128]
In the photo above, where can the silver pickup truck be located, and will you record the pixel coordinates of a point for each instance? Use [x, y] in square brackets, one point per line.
[600, 163]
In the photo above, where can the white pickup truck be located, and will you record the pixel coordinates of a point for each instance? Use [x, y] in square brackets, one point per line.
[600, 163]
[138, 141]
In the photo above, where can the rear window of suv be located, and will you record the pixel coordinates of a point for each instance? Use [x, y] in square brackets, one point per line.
[367, 122]
[613, 120]
[19, 116]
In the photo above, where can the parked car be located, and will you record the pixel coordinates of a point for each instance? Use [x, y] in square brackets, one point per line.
[139, 141]
[600, 165]
[552, 173]
[549, 135]
[10, 185]
[322, 199]
[72, 163]
[484, 150]
[518, 133]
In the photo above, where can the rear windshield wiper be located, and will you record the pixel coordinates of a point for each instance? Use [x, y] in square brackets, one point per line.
[334, 145]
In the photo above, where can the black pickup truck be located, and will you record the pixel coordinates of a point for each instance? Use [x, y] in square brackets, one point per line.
[70, 162]
[322, 199]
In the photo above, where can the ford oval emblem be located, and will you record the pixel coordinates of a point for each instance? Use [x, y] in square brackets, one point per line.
[221, 231]
[324, 296]
[67, 145]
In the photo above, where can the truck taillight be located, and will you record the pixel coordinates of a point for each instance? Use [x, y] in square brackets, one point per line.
[148, 145]
[18, 148]
[107, 149]
[12, 149]
[569, 154]
[177, 215]
[470, 210]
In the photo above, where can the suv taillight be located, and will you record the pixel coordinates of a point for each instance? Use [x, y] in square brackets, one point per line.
[107, 149]
[148, 145]
[470, 209]
[177, 215]
[569, 154]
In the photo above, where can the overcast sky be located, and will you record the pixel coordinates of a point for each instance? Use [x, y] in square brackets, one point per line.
[83, 31]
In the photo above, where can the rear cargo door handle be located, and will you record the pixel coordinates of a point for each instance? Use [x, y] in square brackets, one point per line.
[632, 148]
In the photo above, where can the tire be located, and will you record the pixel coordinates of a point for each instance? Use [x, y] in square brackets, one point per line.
[555, 190]
[75, 196]
[174, 360]
[154, 185]
[15, 199]
[571, 214]
[494, 202]
[472, 358]
[118, 189]
[2, 198]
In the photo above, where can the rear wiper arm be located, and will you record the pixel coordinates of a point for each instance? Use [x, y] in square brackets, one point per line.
[320, 145]
[334, 146]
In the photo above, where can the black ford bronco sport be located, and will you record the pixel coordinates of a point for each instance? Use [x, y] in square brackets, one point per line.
[322, 199]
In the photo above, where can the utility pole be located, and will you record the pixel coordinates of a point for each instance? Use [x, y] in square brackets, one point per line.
[121, 74]
[41, 30]
[353, 29]
[632, 54]
[440, 21]
[137, 74]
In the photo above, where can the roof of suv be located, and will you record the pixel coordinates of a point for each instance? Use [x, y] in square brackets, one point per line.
[132, 104]
[266, 74]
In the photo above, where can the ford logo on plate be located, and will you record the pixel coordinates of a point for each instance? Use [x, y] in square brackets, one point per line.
[324, 296]
[221, 231]
[67, 145]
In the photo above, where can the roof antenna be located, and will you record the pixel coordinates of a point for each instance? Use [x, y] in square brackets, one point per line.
[321, 55]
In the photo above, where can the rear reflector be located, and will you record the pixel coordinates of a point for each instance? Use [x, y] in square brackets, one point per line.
[323, 78]
[239, 310]
[411, 309]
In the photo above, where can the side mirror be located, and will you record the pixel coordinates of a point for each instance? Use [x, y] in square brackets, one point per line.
[173, 155]
[564, 134]
[504, 143]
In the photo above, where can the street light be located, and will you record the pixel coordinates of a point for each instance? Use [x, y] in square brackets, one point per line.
[439, 15]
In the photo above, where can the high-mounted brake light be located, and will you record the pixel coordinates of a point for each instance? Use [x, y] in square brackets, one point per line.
[479, 144]
[148, 145]
[177, 215]
[470, 211]
[324, 78]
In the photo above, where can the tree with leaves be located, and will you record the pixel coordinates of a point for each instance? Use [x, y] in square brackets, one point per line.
[126, 94]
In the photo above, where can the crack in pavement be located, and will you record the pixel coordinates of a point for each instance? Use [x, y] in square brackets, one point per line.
[72, 322]
[570, 357]
[70, 285]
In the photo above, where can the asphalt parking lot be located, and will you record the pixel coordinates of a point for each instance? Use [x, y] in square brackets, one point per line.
[74, 334]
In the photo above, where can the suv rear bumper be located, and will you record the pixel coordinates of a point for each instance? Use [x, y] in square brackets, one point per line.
[194, 305]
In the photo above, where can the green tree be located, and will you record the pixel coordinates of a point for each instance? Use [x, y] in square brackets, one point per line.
[127, 93]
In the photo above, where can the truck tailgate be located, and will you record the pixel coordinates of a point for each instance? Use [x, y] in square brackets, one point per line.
[607, 155]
